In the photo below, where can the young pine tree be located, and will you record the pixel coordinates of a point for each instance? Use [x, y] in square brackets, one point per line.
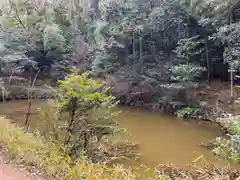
[89, 110]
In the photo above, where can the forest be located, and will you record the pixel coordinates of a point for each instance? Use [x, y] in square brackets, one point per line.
[172, 56]
[143, 49]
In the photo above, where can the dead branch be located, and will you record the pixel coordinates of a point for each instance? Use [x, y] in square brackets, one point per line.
[31, 86]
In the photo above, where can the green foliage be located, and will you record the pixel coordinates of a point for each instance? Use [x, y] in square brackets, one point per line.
[230, 37]
[234, 127]
[189, 113]
[229, 147]
[154, 39]
[136, 34]
[52, 31]
[129, 35]
[190, 47]
[88, 110]
[186, 72]
[53, 39]
[143, 35]
[231, 123]
[13, 47]
[150, 43]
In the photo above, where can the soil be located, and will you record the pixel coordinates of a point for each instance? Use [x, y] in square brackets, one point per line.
[219, 94]
[10, 171]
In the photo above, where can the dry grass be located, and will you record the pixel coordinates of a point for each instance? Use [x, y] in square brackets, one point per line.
[32, 150]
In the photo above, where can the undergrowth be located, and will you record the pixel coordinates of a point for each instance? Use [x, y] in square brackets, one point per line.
[32, 150]
[189, 113]
[229, 147]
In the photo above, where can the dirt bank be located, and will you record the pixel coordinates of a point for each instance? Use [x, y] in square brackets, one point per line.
[212, 99]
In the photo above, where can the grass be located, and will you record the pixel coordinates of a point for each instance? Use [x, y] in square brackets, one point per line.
[32, 150]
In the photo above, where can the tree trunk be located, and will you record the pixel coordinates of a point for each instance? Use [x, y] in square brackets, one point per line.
[209, 60]
[134, 46]
[85, 141]
[73, 106]
[141, 55]
[94, 5]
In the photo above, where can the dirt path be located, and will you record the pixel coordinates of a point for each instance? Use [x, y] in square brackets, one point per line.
[12, 172]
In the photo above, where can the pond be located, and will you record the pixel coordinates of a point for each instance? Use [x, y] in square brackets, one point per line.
[163, 139]
[167, 140]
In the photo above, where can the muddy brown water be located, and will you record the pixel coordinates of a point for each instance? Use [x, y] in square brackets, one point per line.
[163, 139]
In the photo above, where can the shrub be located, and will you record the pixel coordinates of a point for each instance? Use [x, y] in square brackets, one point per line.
[85, 113]
[230, 123]
[189, 112]
[229, 147]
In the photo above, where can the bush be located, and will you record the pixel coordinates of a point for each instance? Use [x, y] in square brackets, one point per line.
[189, 113]
[229, 147]
[85, 113]
[231, 124]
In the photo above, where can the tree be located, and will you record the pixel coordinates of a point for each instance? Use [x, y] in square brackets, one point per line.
[13, 48]
[52, 24]
[185, 68]
[134, 40]
[136, 34]
[89, 110]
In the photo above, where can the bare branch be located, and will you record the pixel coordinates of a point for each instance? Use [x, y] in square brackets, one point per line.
[17, 17]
